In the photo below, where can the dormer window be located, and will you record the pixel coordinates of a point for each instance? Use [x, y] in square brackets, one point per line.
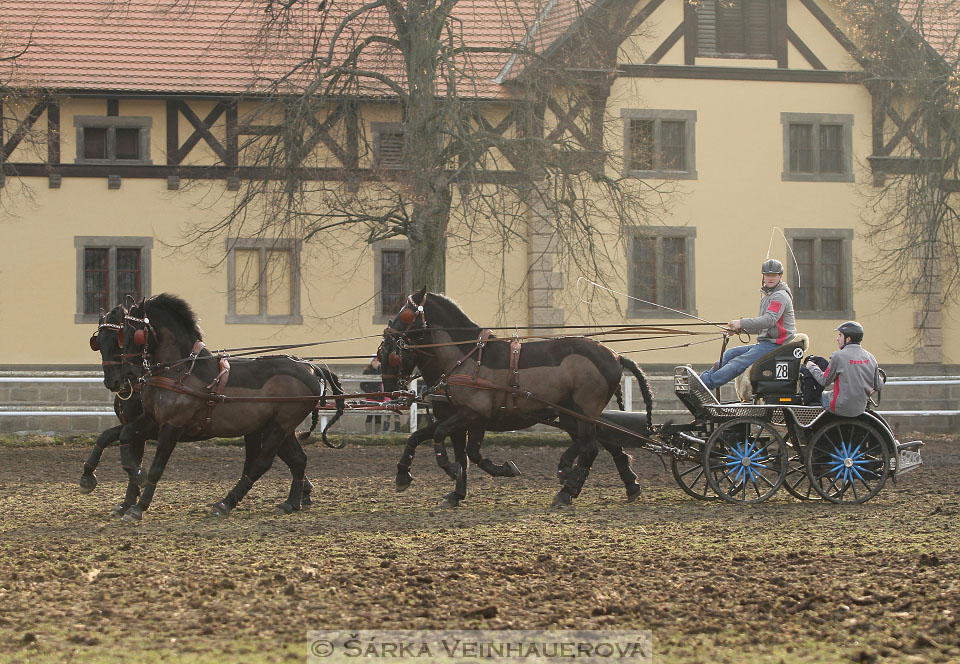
[113, 139]
[735, 28]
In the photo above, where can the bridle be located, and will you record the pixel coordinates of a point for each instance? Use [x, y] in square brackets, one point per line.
[95, 346]
[141, 336]
[409, 316]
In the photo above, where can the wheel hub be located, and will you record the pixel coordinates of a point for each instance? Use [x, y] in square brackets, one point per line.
[848, 462]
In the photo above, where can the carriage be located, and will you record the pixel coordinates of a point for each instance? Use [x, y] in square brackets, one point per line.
[745, 451]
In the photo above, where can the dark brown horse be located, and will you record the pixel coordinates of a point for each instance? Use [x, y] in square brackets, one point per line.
[570, 377]
[191, 393]
[136, 426]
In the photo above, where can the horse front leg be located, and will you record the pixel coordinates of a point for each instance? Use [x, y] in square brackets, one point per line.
[577, 476]
[505, 469]
[404, 478]
[166, 440]
[88, 480]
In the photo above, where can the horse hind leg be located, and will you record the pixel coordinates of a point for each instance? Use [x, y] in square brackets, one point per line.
[292, 454]
[459, 492]
[273, 438]
[577, 476]
[622, 461]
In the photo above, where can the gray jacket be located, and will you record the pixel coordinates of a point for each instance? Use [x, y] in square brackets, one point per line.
[776, 321]
[853, 373]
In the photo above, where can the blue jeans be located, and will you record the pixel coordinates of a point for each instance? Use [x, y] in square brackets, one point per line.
[735, 361]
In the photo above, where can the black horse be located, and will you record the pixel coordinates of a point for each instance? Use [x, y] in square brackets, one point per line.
[192, 394]
[137, 426]
[565, 382]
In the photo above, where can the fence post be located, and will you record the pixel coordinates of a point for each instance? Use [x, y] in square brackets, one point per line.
[627, 383]
[413, 406]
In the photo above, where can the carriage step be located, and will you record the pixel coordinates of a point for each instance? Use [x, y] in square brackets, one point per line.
[908, 457]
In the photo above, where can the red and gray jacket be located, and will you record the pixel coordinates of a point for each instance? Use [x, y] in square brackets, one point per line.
[776, 321]
[853, 373]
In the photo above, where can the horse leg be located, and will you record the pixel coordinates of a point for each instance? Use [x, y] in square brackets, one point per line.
[404, 478]
[452, 499]
[292, 454]
[166, 440]
[133, 440]
[505, 469]
[576, 476]
[133, 488]
[88, 480]
[273, 437]
[622, 461]
[567, 459]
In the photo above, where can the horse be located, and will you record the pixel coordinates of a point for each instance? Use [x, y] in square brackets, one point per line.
[568, 378]
[189, 392]
[136, 426]
[466, 444]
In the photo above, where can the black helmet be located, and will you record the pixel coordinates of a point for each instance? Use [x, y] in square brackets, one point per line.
[852, 329]
[771, 266]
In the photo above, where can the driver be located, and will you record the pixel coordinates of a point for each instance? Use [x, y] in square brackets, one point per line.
[852, 372]
[774, 326]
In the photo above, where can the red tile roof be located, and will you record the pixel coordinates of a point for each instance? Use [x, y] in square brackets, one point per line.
[211, 46]
[938, 22]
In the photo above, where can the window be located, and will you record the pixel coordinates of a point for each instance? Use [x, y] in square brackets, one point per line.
[389, 144]
[113, 139]
[661, 271]
[817, 147]
[109, 269]
[659, 143]
[263, 281]
[392, 278]
[734, 28]
[823, 260]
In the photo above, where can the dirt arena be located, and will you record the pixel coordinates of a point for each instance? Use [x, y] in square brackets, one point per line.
[779, 582]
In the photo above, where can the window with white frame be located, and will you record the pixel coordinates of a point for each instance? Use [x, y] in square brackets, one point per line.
[661, 272]
[263, 281]
[108, 270]
[659, 143]
[820, 271]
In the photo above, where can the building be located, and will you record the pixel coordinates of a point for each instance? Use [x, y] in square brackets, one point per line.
[124, 130]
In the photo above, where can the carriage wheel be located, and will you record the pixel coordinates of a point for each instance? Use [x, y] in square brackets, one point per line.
[689, 474]
[797, 481]
[847, 462]
[746, 460]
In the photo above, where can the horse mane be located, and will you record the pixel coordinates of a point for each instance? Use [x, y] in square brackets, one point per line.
[168, 310]
[455, 318]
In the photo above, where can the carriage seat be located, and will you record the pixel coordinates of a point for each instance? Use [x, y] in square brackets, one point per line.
[776, 375]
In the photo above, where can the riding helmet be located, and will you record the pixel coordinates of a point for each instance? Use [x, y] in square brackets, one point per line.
[852, 329]
[771, 266]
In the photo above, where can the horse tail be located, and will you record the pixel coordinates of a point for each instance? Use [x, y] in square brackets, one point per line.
[635, 369]
[304, 436]
[333, 381]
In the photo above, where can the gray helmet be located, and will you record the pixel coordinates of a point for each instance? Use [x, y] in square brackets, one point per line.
[852, 329]
[771, 266]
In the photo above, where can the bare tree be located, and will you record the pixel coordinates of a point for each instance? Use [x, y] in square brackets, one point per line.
[495, 139]
[910, 52]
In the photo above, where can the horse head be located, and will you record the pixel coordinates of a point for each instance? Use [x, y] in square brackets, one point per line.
[160, 329]
[108, 340]
[397, 362]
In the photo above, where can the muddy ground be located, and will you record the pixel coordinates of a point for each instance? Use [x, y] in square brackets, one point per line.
[780, 582]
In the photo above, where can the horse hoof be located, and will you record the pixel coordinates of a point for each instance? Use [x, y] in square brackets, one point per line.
[88, 483]
[220, 509]
[284, 508]
[562, 499]
[306, 503]
[403, 487]
[118, 511]
[404, 480]
[512, 470]
[633, 493]
[449, 501]
[133, 515]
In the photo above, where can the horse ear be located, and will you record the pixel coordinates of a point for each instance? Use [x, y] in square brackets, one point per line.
[420, 294]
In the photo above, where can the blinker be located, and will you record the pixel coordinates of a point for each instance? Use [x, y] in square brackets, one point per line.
[394, 360]
[94, 344]
[407, 315]
[140, 337]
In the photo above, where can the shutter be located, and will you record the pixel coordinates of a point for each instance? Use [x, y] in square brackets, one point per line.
[730, 27]
[757, 14]
[390, 149]
[707, 27]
